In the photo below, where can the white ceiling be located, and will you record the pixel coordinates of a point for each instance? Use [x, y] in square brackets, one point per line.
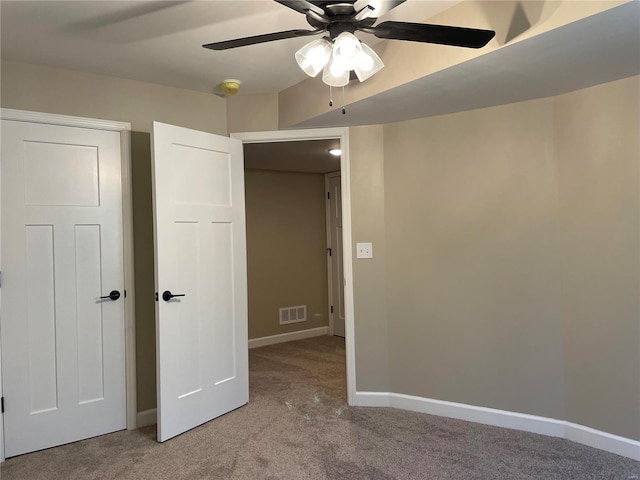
[161, 41]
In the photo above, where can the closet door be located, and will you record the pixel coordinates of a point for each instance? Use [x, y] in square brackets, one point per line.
[62, 291]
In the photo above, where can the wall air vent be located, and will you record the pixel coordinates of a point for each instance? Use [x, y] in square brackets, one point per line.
[293, 314]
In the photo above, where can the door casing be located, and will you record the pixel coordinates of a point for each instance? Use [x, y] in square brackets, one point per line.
[127, 217]
[341, 133]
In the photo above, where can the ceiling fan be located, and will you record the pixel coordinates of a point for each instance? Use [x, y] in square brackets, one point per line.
[341, 51]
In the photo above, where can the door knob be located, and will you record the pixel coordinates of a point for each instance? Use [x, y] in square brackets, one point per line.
[113, 295]
[167, 295]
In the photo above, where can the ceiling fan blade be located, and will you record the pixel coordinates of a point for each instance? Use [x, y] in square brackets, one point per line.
[374, 8]
[316, 19]
[301, 6]
[426, 33]
[267, 37]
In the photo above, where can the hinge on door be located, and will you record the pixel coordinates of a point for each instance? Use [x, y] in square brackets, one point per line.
[329, 250]
[328, 195]
[331, 308]
[156, 296]
[1, 404]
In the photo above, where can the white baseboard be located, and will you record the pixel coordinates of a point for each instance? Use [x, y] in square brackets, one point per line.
[502, 418]
[602, 440]
[146, 418]
[288, 337]
[372, 399]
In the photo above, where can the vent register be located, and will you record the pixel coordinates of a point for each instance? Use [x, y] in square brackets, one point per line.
[293, 314]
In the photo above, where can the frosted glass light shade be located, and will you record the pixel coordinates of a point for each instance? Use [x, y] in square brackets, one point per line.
[334, 73]
[346, 48]
[314, 56]
[338, 57]
[368, 63]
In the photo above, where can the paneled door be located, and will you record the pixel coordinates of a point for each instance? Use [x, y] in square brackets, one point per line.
[334, 235]
[201, 277]
[62, 291]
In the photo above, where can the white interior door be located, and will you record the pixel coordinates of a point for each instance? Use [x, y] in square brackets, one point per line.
[63, 367]
[202, 357]
[336, 258]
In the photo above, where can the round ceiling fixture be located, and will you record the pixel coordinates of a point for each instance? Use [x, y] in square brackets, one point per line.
[230, 86]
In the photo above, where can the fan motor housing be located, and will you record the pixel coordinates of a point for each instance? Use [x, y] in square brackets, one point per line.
[337, 27]
[339, 8]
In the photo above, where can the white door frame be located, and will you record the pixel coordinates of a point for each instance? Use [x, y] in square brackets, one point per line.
[127, 220]
[342, 134]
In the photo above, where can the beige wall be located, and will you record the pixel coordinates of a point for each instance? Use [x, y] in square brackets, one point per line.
[473, 309]
[52, 90]
[66, 92]
[369, 278]
[252, 113]
[512, 255]
[286, 249]
[598, 155]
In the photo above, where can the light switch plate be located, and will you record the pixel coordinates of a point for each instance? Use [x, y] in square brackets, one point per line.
[364, 250]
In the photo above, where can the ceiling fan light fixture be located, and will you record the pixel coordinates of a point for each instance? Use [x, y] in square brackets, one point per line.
[314, 56]
[368, 63]
[346, 48]
[334, 74]
[340, 55]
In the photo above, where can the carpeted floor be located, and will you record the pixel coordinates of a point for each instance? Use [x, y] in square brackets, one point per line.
[297, 426]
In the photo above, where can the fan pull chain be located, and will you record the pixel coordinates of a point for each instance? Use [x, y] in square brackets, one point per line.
[330, 97]
[344, 110]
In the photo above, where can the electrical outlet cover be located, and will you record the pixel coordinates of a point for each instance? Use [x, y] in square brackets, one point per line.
[364, 250]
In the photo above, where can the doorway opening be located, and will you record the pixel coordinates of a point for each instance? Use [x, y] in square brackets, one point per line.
[277, 179]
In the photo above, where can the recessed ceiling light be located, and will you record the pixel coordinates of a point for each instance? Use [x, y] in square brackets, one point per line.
[336, 152]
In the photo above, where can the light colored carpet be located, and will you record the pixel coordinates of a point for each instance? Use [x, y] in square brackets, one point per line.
[297, 426]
